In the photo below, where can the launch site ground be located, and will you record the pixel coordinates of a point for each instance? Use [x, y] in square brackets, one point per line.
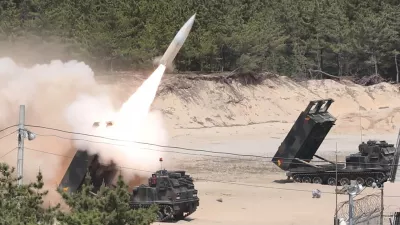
[255, 120]
[207, 112]
[262, 199]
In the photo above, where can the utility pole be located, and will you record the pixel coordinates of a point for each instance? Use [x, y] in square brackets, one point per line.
[353, 189]
[336, 190]
[382, 208]
[361, 128]
[351, 205]
[21, 137]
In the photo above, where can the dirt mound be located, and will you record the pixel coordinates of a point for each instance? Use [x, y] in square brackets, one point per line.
[199, 101]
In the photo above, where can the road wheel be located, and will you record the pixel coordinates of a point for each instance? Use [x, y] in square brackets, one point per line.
[297, 179]
[317, 180]
[306, 180]
[369, 181]
[360, 180]
[168, 211]
[379, 177]
[332, 181]
[160, 216]
[343, 181]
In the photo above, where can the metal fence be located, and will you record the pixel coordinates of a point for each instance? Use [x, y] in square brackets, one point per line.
[366, 210]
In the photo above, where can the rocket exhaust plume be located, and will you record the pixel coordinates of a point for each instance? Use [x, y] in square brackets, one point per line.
[147, 92]
[132, 120]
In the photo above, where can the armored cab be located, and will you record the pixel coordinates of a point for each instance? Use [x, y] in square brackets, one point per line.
[395, 163]
[182, 177]
[374, 162]
[175, 196]
[372, 155]
[377, 159]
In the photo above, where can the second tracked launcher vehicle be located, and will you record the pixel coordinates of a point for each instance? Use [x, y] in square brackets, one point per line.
[173, 191]
[375, 161]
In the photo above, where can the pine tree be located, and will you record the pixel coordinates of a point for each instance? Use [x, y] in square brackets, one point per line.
[109, 206]
[9, 23]
[289, 37]
[23, 204]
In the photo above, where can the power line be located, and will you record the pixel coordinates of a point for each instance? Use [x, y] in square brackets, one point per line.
[150, 149]
[65, 156]
[8, 152]
[8, 134]
[166, 146]
[134, 169]
[8, 128]
[226, 182]
[144, 143]
[157, 150]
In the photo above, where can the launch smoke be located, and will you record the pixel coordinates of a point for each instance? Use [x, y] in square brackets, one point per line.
[66, 96]
[133, 123]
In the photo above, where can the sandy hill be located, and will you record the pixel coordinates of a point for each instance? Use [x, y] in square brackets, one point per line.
[208, 102]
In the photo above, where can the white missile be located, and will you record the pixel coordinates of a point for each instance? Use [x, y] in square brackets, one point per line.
[177, 42]
[166, 59]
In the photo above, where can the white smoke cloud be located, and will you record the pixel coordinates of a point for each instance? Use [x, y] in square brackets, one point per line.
[133, 123]
[66, 96]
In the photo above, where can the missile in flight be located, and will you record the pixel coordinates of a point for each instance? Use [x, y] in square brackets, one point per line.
[166, 59]
[177, 42]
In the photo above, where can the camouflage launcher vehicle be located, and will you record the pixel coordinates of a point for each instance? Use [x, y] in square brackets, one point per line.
[172, 191]
[375, 161]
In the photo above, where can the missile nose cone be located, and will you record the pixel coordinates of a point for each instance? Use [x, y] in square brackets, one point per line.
[177, 42]
[188, 25]
[191, 20]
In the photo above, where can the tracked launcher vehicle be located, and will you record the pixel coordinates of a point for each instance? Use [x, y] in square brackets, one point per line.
[173, 191]
[375, 161]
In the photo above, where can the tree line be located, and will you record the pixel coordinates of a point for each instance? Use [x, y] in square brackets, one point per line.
[109, 206]
[288, 37]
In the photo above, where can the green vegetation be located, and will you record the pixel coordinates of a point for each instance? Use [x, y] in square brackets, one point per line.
[110, 206]
[290, 37]
[107, 206]
[22, 205]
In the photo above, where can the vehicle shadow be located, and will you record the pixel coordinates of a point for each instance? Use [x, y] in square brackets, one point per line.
[283, 181]
[187, 219]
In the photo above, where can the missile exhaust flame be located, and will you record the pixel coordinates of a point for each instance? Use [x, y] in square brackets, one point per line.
[129, 113]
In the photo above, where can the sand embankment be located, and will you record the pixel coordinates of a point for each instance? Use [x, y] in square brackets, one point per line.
[204, 102]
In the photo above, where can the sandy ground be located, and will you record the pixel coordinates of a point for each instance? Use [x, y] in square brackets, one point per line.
[254, 120]
[258, 205]
[259, 196]
[233, 118]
